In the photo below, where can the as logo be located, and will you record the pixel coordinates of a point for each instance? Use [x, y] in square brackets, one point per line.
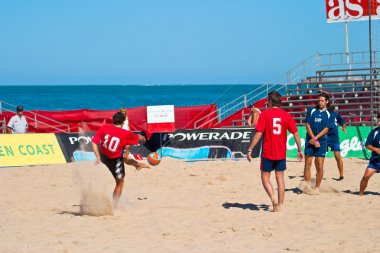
[318, 120]
[344, 10]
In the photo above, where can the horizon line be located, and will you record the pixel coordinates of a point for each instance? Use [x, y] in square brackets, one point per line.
[148, 84]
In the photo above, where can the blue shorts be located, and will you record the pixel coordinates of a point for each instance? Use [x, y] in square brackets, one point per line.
[333, 146]
[268, 165]
[311, 150]
[374, 165]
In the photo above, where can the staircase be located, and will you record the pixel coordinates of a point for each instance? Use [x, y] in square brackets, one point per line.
[288, 83]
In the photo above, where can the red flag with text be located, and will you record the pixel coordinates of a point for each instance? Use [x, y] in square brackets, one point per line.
[351, 10]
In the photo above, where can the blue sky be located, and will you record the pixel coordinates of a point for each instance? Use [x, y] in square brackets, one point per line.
[163, 42]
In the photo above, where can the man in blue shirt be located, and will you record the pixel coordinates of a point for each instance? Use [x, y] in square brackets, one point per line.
[333, 140]
[318, 123]
[373, 144]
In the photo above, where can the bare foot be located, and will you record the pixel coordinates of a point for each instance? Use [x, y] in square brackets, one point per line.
[305, 187]
[310, 191]
[276, 207]
[315, 191]
[139, 166]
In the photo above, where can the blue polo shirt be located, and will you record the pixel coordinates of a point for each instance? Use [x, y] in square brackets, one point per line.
[333, 134]
[319, 120]
[373, 139]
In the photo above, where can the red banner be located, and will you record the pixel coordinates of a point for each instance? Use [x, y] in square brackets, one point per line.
[92, 120]
[351, 10]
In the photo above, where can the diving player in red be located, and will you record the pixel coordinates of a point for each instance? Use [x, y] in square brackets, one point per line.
[273, 124]
[113, 139]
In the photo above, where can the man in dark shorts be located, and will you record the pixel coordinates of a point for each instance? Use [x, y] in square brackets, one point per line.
[273, 124]
[373, 144]
[113, 139]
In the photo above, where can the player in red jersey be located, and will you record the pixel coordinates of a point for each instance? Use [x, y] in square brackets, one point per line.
[113, 139]
[273, 124]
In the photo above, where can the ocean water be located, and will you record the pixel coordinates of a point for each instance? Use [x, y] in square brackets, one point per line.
[108, 97]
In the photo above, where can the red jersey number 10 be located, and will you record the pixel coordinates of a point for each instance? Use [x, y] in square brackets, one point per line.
[276, 126]
[113, 143]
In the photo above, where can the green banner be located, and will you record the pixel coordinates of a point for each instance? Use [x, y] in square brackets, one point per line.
[351, 143]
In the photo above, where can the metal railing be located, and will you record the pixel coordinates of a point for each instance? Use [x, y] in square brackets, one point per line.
[35, 118]
[289, 80]
[281, 84]
[356, 58]
[303, 68]
[239, 103]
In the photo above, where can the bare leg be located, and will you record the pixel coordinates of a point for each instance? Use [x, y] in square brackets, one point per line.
[280, 187]
[129, 160]
[136, 164]
[368, 173]
[339, 162]
[319, 176]
[118, 190]
[265, 178]
[307, 173]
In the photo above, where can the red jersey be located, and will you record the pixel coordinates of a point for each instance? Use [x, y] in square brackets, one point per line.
[113, 139]
[274, 124]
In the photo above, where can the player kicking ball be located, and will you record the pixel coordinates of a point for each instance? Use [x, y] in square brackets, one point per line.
[113, 140]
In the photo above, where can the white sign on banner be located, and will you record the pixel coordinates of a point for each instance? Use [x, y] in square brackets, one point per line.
[160, 114]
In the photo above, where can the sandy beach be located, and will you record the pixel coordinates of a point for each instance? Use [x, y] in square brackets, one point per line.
[178, 206]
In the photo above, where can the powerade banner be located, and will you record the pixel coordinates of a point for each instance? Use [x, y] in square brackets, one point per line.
[210, 143]
[182, 144]
[351, 143]
[29, 149]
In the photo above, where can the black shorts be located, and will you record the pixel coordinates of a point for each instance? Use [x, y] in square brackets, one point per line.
[116, 165]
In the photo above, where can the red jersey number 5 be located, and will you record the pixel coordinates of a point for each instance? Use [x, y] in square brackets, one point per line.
[113, 143]
[276, 126]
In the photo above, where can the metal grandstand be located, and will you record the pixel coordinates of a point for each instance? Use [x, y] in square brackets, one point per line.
[354, 90]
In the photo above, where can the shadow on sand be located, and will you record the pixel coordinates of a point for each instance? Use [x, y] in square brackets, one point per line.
[293, 177]
[337, 179]
[252, 207]
[294, 190]
[365, 193]
[70, 213]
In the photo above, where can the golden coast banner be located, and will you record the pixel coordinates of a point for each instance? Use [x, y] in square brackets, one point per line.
[29, 149]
